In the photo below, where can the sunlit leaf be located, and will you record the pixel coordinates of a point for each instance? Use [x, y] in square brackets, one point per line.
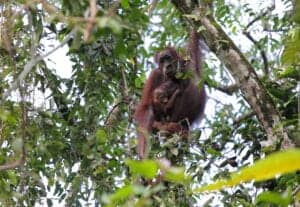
[121, 194]
[296, 13]
[125, 3]
[101, 136]
[273, 165]
[110, 23]
[275, 198]
[213, 152]
[138, 82]
[7, 116]
[145, 168]
[297, 197]
[291, 51]
[13, 177]
[290, 72]
[175, 174]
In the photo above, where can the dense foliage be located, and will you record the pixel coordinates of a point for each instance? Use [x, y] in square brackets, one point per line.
[66, 129]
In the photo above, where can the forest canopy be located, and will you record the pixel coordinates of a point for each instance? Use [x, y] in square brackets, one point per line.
[72, 74]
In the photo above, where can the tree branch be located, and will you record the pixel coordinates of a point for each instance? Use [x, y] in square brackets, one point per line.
[114, 113]
[14, 164]
[229, 90]
[243, 117]
[262, 52]
[91, 20]
[241, 70]
[250, 37]
[269, 9]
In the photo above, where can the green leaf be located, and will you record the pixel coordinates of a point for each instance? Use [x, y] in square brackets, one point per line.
[145, 168]
[139, 82]
[291, 50]
[213, 152]
[110, 23]
[270, 167]
[12, 178]
[175, 174]
[296, 15]
[101, 136]
[125, 4]
[275, 198]
[289, 72]
[121, 194]
[7, 116]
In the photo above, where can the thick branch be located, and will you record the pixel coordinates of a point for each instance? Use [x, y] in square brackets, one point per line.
[14, 164]
[241, 70]
[91, 20]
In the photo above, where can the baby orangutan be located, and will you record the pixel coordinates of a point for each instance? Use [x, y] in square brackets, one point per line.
[163, 100]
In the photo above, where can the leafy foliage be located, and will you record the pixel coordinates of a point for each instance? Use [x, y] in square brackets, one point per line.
[66, 132]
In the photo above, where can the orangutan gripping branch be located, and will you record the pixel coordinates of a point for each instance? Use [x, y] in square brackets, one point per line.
[168, 102]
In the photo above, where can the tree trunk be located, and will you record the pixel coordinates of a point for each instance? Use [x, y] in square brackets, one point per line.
[240, 69]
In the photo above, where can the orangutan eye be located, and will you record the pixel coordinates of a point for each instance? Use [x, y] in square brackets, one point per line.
[165, 58]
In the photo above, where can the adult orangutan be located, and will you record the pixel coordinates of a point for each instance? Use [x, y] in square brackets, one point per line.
[187, 101]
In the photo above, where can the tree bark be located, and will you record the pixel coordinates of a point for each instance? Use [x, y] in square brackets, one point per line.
[240, 69]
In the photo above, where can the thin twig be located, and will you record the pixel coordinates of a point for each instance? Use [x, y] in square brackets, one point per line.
[262, 52]
[250, 37]
[269, 9]
[114, 110]
[238, 120]
[152, 7]
[23, 128]
[256, 19]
